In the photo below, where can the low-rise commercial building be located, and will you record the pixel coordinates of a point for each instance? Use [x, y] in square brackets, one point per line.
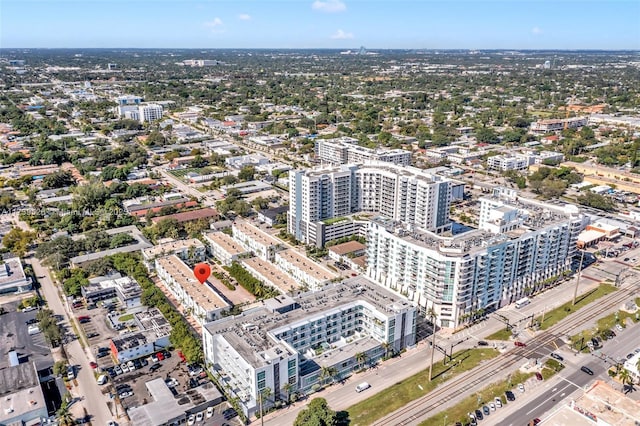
[199, 300]
[153, 335]
[12, 277]
[558, 124]
[21, 397]
[126, 289]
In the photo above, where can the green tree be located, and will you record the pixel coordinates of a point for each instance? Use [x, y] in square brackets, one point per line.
[18, 241]
[63, 415]
[317, 413]
[58, 179]
[247, 173]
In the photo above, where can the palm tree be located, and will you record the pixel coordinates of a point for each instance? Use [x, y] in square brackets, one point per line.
[288, 387]
[64, 416]
[432, 314]
[333, 372]
[264, 394]
[625, 378]
[361, 358]
[386, 346]
[324, 374]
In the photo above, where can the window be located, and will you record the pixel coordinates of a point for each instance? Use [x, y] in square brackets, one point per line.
[261, 380]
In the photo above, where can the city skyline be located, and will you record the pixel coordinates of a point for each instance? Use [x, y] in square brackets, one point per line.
[298, 24]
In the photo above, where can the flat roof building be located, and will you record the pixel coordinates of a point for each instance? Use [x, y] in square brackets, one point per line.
[21, 397]
[269, 274]
[200, 300]
[12, 277]
[153, 335]
[289, 340]
[190, 249]
[224, 248]
[255, 240]
[305, 271]
[126, 289]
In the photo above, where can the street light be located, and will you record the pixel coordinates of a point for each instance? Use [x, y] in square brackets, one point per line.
[575, 291]
[444, 422]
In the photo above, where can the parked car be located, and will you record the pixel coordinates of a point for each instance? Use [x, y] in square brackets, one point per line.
[479, 415]
[619, 327]
[521, 387]
[160, 356]
[229, 413]
[556, 356]
[485, 410]
[483, 343]
[92, 335]
[93, 365]
[510, 396]
[102, 354]
[539, 376]
[154, 367]
[123, 387]
[209, 412]
[498, 402]
[84, 320]
[492, 406]
[520, 344]
[125, 394]
[587, 370]
[192, 420]
[117, 369]
[182, 357]
[166, 354]
[199, 416]
[144, 362]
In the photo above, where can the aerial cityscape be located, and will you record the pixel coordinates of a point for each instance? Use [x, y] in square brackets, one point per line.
[322, 213]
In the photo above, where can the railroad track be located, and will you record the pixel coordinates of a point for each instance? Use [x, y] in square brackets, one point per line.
[485, 372]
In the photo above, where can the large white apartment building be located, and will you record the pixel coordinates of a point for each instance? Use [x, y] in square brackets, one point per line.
[346, 151]
[406, 194]
[198, 300]
[149, 112]
[289, 341]
[519, 245]
[522, 161]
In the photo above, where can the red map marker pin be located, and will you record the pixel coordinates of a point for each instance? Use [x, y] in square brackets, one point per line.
[202, 272]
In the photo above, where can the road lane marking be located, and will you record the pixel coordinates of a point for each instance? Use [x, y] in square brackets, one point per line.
[543, 402]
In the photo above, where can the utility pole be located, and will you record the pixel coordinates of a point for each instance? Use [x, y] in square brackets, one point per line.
[575, 291]
[433, 344]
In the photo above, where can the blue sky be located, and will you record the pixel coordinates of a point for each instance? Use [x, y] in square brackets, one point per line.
[429, 24]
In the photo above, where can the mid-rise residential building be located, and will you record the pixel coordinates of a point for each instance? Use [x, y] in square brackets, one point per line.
[129, 99]
[522, 161]
[224, 248]
[284, 344]
[149, 112]
[198, 300]
[405, 194]
[519, 244]
[270, 274]
[255, 240]
[308, 273]
[346, 151]
[558, 124]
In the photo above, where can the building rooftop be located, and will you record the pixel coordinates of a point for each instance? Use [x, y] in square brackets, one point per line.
[275, 275]
[170, 247]
[12, 274]
[152, 320]
[205, 213]
[534, 216]
[307, 265]
[253, 332]
[202, 294]
[348, 247]
[165, 407]
[20, 391]
[226, 242]
[256, 234]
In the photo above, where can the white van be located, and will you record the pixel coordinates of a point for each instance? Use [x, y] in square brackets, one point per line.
[102, 379]
[362, 386]
[70, 373]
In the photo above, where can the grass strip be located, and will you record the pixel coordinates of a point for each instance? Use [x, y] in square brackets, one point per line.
[503, 334]
[388, 400]
[561, 312]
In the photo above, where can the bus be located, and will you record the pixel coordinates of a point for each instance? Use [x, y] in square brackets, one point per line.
[522, 302]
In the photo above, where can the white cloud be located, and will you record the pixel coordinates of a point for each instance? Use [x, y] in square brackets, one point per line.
[329, 6]
[341, 35]
[536, 30]
[215, 25]
[244, 17]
